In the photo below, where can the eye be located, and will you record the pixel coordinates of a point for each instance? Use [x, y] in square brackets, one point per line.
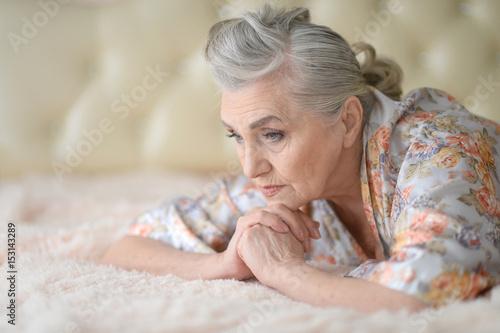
[274, 137]
[236, 136]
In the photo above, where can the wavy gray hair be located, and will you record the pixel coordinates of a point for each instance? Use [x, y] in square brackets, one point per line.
[317, 67]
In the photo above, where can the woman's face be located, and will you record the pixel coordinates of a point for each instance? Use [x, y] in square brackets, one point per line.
[290, 155]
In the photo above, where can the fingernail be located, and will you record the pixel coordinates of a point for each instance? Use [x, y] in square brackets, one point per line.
[316, 234]
[301, 235]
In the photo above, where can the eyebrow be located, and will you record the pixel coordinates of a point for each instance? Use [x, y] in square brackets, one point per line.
[257, 123]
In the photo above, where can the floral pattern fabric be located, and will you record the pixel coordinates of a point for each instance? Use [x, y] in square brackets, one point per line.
[429, 179]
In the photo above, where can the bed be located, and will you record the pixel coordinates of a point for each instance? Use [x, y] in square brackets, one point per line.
[64, 227]
[80, 159]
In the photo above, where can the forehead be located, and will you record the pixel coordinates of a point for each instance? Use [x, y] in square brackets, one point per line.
[254, 102]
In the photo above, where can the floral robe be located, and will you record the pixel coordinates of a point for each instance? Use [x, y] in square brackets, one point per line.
[429, 180]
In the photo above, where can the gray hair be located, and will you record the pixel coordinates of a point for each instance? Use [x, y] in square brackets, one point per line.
[317, 66]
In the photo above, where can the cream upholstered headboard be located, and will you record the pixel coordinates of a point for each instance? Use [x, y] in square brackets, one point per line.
[110, 85]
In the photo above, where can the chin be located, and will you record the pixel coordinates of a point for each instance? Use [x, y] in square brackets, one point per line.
[291, 204]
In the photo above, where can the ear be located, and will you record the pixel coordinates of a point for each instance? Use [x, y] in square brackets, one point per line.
[352, 119]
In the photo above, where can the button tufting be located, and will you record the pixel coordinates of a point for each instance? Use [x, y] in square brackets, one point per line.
[183, 67]
[466, 9]
[55, 129]
[141, 128]
[93, 68]
[87, 61]
[424, 59]
[383, 4]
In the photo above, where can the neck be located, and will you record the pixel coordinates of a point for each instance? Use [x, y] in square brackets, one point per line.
[346, 191]
[347, 201]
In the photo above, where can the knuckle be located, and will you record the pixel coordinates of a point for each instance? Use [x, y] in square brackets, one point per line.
[255, 209]
[281, 206]
[243, 221]
[244, 236]
[257, 228]
[260, 215]
[277, 222]
[251, 232]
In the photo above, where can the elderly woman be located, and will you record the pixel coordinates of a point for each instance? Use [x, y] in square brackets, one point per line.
[336, 169]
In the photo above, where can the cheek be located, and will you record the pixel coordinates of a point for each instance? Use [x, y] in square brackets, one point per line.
[313, 167]
[297, 164]
[241, 154]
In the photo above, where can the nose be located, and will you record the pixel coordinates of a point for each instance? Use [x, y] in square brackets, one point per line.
[254, 162]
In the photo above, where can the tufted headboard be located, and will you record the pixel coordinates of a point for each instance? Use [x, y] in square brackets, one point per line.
[112, 85]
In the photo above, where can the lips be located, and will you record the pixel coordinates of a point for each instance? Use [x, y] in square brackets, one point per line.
[271, 190]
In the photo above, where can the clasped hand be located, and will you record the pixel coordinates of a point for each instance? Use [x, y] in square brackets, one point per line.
[265, 239]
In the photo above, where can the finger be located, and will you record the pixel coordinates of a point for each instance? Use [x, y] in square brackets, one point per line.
[270, 216]
[268, 219]
[292, 220]
[308, 245]
[311, 225]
